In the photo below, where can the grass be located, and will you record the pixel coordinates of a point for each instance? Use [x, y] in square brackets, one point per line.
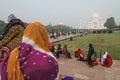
[104, 42]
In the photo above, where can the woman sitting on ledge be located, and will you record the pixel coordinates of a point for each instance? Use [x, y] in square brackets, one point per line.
[66, 52]
[79, 55]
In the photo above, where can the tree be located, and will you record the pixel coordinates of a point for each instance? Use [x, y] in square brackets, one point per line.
[2, 25]
[110, 23]
[57, 28]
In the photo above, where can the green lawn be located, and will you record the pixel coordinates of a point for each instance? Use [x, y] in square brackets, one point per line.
[104, 42]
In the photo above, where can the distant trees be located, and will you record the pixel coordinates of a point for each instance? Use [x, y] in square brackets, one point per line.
[58, 28]
[102, 31]
[110, 23]
[2, 25]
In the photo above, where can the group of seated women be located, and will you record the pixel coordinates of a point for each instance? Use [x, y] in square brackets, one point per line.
[91, 58]
[60, 50]
[105, 61]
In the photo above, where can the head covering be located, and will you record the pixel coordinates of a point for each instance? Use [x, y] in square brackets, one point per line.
[33, 59]
[68, 78]
[14, 22]
[81, 54]
[105, 55]
[65, 48]
[11, 23]
[79, 49]
[12, 37]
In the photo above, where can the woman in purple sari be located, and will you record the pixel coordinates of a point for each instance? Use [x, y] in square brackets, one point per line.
[33, 59]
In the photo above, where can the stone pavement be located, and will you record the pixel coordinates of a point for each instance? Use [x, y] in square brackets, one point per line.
[80, 70]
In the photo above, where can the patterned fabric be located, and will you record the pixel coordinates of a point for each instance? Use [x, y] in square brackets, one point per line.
[11, 24]
[33, 59]
[13, 67]
[13, 38]
[5, 49]
[3, 52]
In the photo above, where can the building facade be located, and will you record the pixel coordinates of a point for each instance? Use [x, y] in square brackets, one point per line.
[95, 22]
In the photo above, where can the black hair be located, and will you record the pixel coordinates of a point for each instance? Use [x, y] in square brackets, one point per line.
[90, 45]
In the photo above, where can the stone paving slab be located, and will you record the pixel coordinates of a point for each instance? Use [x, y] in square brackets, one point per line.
[79, 69]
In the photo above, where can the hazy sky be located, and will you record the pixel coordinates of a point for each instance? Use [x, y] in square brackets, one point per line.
[69, 12]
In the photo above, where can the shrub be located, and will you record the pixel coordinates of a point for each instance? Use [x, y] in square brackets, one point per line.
[109, 31]
[94, 32]
[99, 31]
[104, 31]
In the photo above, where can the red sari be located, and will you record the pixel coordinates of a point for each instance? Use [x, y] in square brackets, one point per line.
[108, 61]
[80, 53]
[94, 62]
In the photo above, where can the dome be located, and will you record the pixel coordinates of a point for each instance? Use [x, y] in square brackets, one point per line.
[95, 15]
[60, 23]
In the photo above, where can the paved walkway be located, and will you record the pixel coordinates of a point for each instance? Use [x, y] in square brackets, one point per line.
[63, 38]
[80, 70]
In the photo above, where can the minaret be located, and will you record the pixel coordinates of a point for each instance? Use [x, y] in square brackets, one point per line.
[80, 26]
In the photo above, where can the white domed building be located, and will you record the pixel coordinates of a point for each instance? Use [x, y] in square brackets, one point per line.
[95, 22]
